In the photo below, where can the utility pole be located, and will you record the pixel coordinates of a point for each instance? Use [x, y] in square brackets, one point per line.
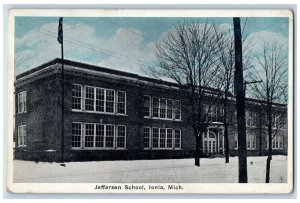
[61, 41]
[240, 101]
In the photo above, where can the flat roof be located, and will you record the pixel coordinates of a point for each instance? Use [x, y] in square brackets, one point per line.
[116, 72]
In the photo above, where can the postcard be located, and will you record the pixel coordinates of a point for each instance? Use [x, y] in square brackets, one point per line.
[150, 101]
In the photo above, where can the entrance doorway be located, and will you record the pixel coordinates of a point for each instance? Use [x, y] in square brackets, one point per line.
[210, 143]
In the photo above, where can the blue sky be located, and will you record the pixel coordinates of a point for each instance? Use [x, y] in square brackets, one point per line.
[126, 44]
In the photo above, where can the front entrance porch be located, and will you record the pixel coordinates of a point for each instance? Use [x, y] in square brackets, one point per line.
[213, 140]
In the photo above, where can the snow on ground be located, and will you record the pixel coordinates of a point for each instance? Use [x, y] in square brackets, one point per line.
[212, 170]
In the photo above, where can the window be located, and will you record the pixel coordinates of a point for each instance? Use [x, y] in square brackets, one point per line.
[177, 110]
[155, 138]
[278, 121]
[169, 109]
[147, 138]
[163, 110]
[89, 135]
[162, 138]
[100, 100]
[251, 119]
[100, 136]
[76, 97]
[251, 141]
[110, 99]
[22, 136]
[147, 105]
[121, 136]
[169, 138]
[76, 135]
[97, 136]
[155, 107]
[22, 102]
[121, 97]
[277, 142]
[89, 98]
[215, 113]
[110, 134]
[177, 139]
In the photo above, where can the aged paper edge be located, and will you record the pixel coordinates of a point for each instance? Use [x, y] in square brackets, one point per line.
[189, 188]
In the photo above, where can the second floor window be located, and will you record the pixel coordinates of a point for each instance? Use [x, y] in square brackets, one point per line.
[121, 98]
[22, 102]
[215, 113]
[162, 108]
[110, 99]
[89, 98]
[76, 97]
[94, 99]
[147, 105]
[250, 119]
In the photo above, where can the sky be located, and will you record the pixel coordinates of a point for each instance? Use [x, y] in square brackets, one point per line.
[122, 43]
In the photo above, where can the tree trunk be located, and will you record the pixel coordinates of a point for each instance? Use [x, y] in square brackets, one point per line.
[226, 143]
[270, 145]
[197, 152]
[268, 168]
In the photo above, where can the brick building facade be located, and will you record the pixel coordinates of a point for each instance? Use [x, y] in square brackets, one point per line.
[109, 114]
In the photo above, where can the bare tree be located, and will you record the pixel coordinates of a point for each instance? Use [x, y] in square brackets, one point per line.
[272, 70]
[189, 55]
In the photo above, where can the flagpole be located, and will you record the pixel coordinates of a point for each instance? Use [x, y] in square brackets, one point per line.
[61, 41]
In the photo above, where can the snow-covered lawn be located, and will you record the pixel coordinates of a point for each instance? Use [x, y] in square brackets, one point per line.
[212, 170]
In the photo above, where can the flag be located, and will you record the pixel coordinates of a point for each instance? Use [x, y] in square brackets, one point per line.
[60, 31]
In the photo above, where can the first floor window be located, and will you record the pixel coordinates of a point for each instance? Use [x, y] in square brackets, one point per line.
[110, 134]
[146, 137]
[76, 135]
[169, 138]
[177, 139]
[96, 135]
[251, 141]
[162, 138]
[89, 135]
[277, 142]
[121, 136]
[100, 135]
[235, 141]
[155, 137]
[22, 136]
